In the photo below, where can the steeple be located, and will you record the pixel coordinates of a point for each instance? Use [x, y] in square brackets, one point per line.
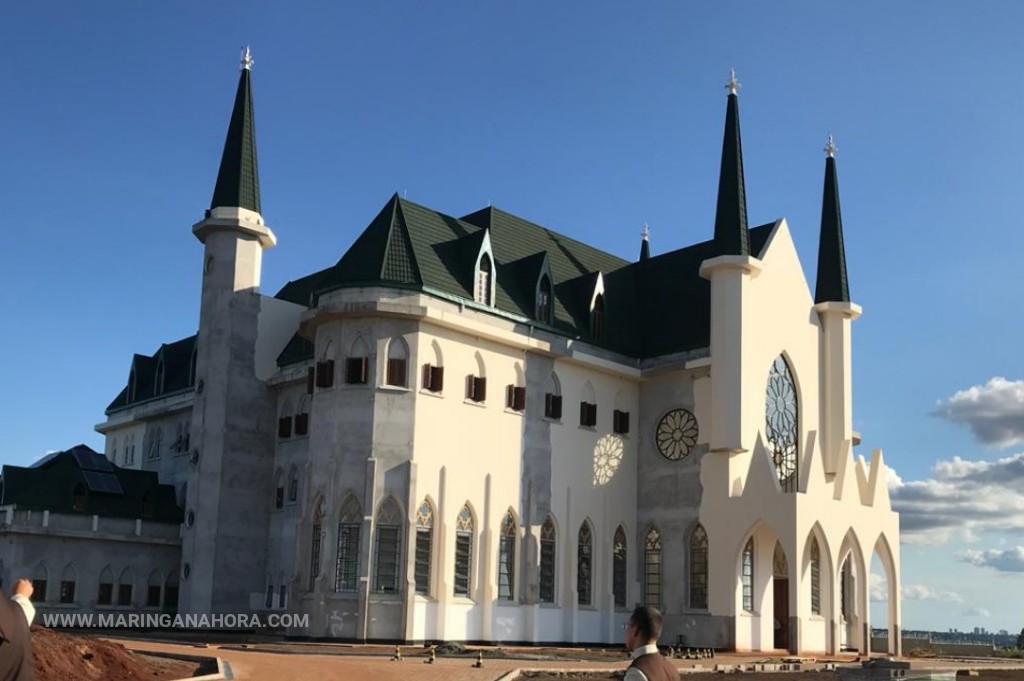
[645, 243]
[832, 285]
[238, 181]
[731, 233]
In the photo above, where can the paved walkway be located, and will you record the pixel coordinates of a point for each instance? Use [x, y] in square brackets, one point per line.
[253, 665]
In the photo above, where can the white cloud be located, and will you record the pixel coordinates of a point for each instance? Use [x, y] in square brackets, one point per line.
[1006, 560]
[994, 412]
[923, 592]
[977, 612]
[963, 497]
[877, 586]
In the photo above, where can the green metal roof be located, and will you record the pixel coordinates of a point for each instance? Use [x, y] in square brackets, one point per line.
[238, 181]
[731, 232]
[832, 284]
[51, 485]
[176, 359]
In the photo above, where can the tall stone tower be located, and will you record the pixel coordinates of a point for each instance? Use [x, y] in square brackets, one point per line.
[227, 503]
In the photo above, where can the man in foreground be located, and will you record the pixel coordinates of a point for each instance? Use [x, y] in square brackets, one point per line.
[642, 631]
[15, 642]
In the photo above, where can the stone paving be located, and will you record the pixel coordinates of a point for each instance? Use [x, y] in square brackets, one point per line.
[256, 665]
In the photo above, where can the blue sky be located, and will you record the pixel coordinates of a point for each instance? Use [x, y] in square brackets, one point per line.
[589, 117]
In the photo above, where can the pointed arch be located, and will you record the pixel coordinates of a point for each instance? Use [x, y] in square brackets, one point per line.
[357, 362]
[438, 354]
[465, 525]
[652, 567]
[883, 549]
[316, 540]
[548, 546]
[620, 550]
[424, 545]
[851, 588]
[68, 579]
[105, 594]
[125, 586]
[358, 347]
[397, 369]
[507, 538]
[388, 528]
[154, 587]
[481, 368]
[279, 488]
[553, 398]
[327, 352]
[699, 567]
[782, 423]
[747, 575]
[545, 299]
[484, 277]
[40, 578]
[293, 484]
[816, 569]
[585, 563]
[350, 524]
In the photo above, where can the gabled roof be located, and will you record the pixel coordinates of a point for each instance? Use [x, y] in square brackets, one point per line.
[297, 350]
[51, 485]
[655, 306]
[177, 366]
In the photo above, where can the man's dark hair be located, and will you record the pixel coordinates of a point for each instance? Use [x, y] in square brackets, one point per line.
[647, 620]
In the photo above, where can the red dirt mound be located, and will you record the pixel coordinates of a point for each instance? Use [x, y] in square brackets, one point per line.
[64, 657]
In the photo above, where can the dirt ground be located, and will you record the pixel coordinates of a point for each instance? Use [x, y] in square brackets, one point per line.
[985, 675]
[62, 657]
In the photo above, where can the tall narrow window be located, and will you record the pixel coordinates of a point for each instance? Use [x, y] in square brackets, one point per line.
[153, 589]
[389, 540]
[782, 421]
[463, 552]
[105, 594]
[315, 546]
[846, 587]
[597, 318]
[67, 585]
[124, 587]
[584, 564]
[156, 443]
[815, 577]
[507, 558]
[553, 399]
[293, 484]
[171, 592]
[40, 577]
[302, 416]
[282, 595]
[544, 300]
[547, 561]
[699, 568]
[483, 280]
[269, 600]
[346, 569]
[747, 576]
[619, 567]
[476, 388]
[424, 546]
[279, 490]
[652, 568]
[398, 361]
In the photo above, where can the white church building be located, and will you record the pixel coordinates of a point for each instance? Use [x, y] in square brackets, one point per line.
[477, 428]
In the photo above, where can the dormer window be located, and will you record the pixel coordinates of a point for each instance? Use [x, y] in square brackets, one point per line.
[544, 300]
[483, 280]
[160, 376]
[597, 318]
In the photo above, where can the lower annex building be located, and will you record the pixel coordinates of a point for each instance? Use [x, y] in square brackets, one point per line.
[476, 428]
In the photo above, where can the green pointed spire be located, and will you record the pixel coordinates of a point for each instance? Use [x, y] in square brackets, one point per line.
[645, 243]
[238, 181]
[832, 285]
[732, 236]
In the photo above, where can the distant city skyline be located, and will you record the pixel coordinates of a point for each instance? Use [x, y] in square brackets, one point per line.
[584, 118]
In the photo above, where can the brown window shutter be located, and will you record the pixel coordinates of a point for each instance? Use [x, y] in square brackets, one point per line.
[427, 384]
[319, 374]
[470, 387]
[510, 396]
[556, 406]
[593, 415]
[364, 370]
[301, 424]
[519, 399]
[549, 405]
[329, 378]
[437, 379]
[481, 390]
[284, 426]
[396, 372]
[583, 413]
[310, 380]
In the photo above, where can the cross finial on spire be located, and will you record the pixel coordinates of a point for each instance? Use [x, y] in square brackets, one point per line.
[831, 148]
[247, 60]
[645, 233]
[733, 86]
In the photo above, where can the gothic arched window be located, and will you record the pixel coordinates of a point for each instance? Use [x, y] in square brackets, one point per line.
[747, 576]
[350, 522]
[597, 318]
[584, 564]
[782, 414]
[424, 546]
[699, 568]
[507, 558]
[398, 363]
[547, 561]
[619, 567]
[463, 552]
[483, 280]
[389, 543]
[652, 568]
[815, 577]
[544, 300]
